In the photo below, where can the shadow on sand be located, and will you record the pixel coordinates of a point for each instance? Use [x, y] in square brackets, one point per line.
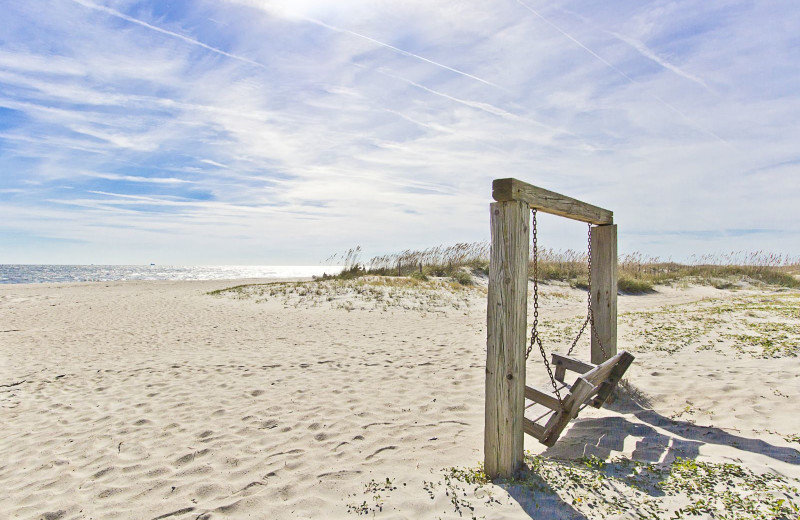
[658, 439]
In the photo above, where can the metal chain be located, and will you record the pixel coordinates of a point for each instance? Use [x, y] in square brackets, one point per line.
[534, 329]
[590, 311]
[535, 339]
[588, 292]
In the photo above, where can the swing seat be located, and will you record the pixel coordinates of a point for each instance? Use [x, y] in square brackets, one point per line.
[592, 387]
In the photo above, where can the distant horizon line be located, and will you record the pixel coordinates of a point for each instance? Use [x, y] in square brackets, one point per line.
[180, 265]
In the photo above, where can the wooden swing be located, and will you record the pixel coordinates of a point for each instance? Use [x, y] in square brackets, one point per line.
[594, 383]
[592, 387]
[507, 397]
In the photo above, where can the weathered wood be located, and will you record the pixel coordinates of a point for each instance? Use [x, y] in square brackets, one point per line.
[572, 403]
[604, 291]
[550, 202]
[533, 429]
[603, 371]
[543, 398]
[506, 319]
[593, 388]
[563, 363]
[604, 392]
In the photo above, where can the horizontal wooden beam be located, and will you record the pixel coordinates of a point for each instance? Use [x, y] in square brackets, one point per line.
[550, 202]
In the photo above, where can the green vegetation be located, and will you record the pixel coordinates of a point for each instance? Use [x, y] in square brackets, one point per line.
[462, 277]
[456, 262]
[792, 437]
[729, 491]
[629, 285]
[370, 293]
[597, 488]
[766, 326]
[763, 327]
[375, 503]
[638, 274]
[721, 271]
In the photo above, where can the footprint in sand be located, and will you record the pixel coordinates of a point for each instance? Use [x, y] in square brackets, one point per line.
[268, 425]
[380, 450]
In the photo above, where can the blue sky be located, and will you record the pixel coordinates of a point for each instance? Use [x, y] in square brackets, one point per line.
[259, 132]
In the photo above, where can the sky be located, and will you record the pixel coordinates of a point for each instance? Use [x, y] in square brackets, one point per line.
[278, 133]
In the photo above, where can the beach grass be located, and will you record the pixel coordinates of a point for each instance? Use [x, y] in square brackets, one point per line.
[637, 273]
[365, 292]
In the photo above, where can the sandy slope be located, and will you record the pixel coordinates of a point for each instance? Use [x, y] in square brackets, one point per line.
[156, 400]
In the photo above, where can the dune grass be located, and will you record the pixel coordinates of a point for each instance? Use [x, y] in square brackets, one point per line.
[369, 293]
[637, 273]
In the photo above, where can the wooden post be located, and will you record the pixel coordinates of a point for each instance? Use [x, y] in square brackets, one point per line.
[506, 319]
[604, 291]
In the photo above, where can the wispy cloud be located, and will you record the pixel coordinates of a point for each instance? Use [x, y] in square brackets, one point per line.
[192, 41]
[625, 75]
[134, 178]
[642, 49]
[401, 51]
[129, 127]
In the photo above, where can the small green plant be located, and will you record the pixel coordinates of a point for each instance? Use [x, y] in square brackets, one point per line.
[355, 271]
[630, 285]
[764, 327]
[581, 283]
[729, 491]
[375, 503]
[463, 278]
[419, 275]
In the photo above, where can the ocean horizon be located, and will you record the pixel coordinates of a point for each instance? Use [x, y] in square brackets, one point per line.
[56, 273]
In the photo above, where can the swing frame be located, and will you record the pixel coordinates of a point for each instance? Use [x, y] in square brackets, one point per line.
[507, 313]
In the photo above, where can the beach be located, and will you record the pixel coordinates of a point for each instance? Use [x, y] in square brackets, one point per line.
[178, 399]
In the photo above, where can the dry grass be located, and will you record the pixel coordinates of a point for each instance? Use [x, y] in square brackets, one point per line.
[369, 293]
[638, 273]
[721, 270]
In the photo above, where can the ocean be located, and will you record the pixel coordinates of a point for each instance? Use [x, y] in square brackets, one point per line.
[16, 273]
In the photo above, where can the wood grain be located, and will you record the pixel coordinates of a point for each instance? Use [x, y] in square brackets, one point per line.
[506, 319]
[564, 363]
[604, 291]
[592, 387]
[550, 202]
[543, 398]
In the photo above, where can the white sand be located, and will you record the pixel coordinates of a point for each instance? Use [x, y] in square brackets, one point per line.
[156, 400]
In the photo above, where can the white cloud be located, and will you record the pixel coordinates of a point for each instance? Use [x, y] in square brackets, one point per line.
[380, 124]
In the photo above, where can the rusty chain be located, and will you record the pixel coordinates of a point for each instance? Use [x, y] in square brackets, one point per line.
[536, 340]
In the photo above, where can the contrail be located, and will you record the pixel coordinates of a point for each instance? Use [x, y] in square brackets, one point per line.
[645, 51]
[621, 73]
[400, 51]
[484, 107]
[642, 49]
[127, 18]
